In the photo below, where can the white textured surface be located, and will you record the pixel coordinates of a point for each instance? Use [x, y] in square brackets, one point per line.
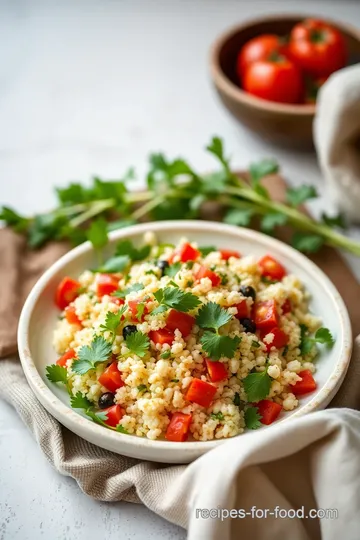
[91, 87]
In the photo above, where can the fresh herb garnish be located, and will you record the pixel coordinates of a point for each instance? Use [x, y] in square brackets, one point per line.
[138, 343]
[133, 288]
[174, 298]
[172, 270]
[322, 335]
[89, 356]
[212, 317]
[205, 250]
[142, 387]
[217, 416]
[56, 373]
[98, 417]
[115, 264]
[112, 321]
[257, 386]
[165, 355]
[174, 380]
[140, 308]
[237, 400]
[252, 418]
[80, 402]
[121, 429]
[255, 344]
[175, 191]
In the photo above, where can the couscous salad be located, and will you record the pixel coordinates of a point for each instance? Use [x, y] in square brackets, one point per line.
[185, 342]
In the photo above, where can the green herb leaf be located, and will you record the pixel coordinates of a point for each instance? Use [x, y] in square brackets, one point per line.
[240, 217]
[142, 387]
[272, 220]
[255, 344]
[174, 380]
[126, 247]
[211, 315]
[217, 416]
[113, 320]
[79, 401]
[172, 270]
[263, 168]
[97, 233]
[309, 243]
[252, 418]
[120, 224]
[140, 308]
[138, 343]
[217, 346]
[237, 400]
[133, 288]
[98, 417]
[205, 250]
[89, 356]
[121, 429]
[115, 264]
[323, 335]
[216, 148]
[13, 219]
[257, 386]
[296, 196]
[56, 373]
[334, 221]
[174, 298]
[165, 355]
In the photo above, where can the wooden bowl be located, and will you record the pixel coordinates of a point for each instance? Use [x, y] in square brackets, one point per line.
[290, 125]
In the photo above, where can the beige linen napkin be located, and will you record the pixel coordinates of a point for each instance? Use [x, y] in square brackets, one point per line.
[288, 465]
[337, 138]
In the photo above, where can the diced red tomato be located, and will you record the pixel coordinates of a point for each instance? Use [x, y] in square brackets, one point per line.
[227, 253]
[185, 253]
[286, 307]
[117, 301]
[269, 411]
[217, 371]
[71, 317]
[265, 314]
[280, 338]
[133, 308]
[306, 385]
[67, 290]
[242, 310]
[162, 336]
[106, 284]
[181, 321]
[111, 378]
[271, 268]
[200, 392]
[178, 429]
[114, 415]
[65, 357]
[204, 272]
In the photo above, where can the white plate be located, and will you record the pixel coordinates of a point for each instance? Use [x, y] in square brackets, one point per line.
[39, 316]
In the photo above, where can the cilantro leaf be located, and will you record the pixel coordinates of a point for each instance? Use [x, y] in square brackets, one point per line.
[121, 429]
[240, 217]
[120, 224]
[173, 297]
[172, 270]
[252, 418]
[133, 288]
[56, 373]
[115, 264]
[324, 336]
[211, 315]
[217, 346]
[262, 168]
[298, 195]
[97, 233]
[126, 247]
[309, 243]
[138, 343]
[113, 320]
[165, 355]
[80, 402]
[217, 416]
[13, 219]
[237, 400]
[140, 308]
[216, 148]
[257, 386]
[142, 387]
[255, 344]
[272, 220]
[91, 355]
[205, 250]
[98, 417]
[334, 221]
[306, 343]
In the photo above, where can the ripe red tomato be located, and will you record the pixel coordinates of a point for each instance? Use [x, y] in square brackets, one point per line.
[276, 79]
[111, 378]
[271, 268]
[269, 411]
[66, 292]
[204, 272]
[178, 429]
[258, 48]
[306, 385]
[317, 47]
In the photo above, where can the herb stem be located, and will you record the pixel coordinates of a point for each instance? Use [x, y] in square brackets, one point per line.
[97, 208]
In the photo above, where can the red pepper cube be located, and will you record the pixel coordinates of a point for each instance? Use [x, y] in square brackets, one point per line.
[106, 284]
[71, 317]
[188, 253]
[65, 357]
[280, 339]
[205, 272]
[227, 253]
[66, 292]
[201, 392]
[177, 320]
[265, 314]
[306, 385]
[242, 310]
[162, 336]
[114, 415]
[111, 378]
[178, 429]
[217, 371]
[269, 411]
[271, 268]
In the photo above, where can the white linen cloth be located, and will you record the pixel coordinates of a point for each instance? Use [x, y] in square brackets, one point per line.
[337, 138]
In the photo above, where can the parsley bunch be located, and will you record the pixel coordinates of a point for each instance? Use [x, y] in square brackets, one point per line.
[176, 191]
[212, 317]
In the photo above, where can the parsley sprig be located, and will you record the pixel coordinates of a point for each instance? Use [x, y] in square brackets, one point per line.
[89, 356]
[112, 322]
[257, 386]
[322, 335]
[212, 317]
[252, 418]
[174, 298]
[138, 343]
[176, 191]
